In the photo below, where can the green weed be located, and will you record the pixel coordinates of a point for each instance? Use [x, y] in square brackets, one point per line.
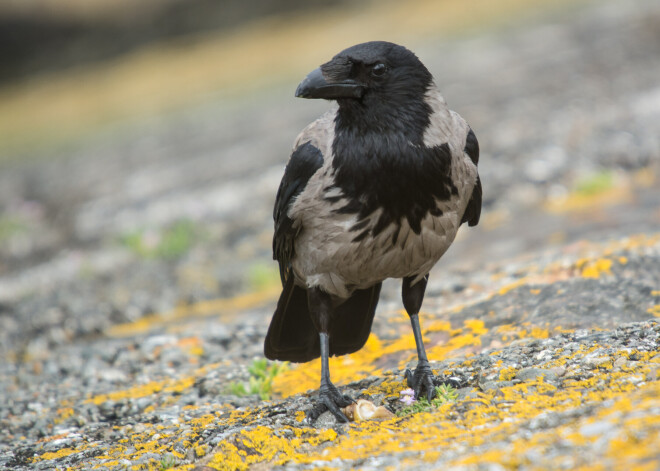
[169, 244]
[595, 183]
[9, 227]
[166, 462]
[262, 373]
[443, 394]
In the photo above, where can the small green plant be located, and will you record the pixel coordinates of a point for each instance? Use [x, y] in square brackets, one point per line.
[595, 183]
[262, 373]
[443, 394]
[10, 227]
[166, 462]
[168, 243]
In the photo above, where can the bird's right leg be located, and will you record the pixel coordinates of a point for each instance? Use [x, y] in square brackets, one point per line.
[320, 309]
[422, 378]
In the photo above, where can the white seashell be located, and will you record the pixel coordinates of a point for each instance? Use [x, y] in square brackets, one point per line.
[365, 410]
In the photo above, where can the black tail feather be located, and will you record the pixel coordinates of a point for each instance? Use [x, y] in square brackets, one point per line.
[351, 323]
[293, 337]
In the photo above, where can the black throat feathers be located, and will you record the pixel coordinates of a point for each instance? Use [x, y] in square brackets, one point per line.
[381, 162]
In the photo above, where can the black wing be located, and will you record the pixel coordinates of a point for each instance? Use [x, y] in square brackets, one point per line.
[304, 162]
[473, 210]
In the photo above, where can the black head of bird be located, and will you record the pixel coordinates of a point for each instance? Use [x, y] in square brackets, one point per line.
[377, 82]
[368, 72]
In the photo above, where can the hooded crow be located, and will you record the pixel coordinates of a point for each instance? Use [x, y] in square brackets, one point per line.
[375, 188]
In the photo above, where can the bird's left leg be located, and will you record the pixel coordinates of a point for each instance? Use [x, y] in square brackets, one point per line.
[320, 309]
[422, 379]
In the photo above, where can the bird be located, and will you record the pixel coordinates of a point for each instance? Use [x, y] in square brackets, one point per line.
[375, 188]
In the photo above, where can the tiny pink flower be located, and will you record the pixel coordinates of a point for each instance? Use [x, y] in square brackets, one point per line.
[407, 396]
[407, 400]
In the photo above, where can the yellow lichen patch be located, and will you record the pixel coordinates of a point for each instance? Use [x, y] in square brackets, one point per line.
[596, 268]
[509, 332]
[464, 341]
[169, 386]
[483, 428]
[227, 306]
[63, 414]
[538, 333]
[489, 419]
[134, 392]
[344, 369]
[366, 361]
[506, 288]
[597, 259]
[57, 454]
[608, 194]
[191, 344]
[461, 338]
[201, 451]
[508, 373]
[477, 326]
[655, 310]
[146, 439]
[265, 445]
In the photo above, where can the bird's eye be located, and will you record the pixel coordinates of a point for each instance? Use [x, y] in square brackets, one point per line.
[378, 70]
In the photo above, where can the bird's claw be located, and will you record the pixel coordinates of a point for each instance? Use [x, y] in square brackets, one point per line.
[330, 399]
[421, 380]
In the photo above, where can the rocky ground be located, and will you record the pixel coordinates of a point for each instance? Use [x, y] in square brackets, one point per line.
[136, 282]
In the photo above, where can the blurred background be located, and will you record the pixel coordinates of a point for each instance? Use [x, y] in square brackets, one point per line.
[142, 143]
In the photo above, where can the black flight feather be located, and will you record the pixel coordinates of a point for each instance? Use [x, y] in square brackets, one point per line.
[473, 210]
[305, 161]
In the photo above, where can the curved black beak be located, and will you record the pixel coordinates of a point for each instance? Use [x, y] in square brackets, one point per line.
[316, 86]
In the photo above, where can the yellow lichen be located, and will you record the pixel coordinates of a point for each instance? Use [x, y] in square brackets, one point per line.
[476, 424]
[228, 306]
[473, 429]
[201, 451]
[57, 454]
[595, 268]
[505, 289]
[265, 445]
[304, 377]
[581, 202]
[508, 373]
